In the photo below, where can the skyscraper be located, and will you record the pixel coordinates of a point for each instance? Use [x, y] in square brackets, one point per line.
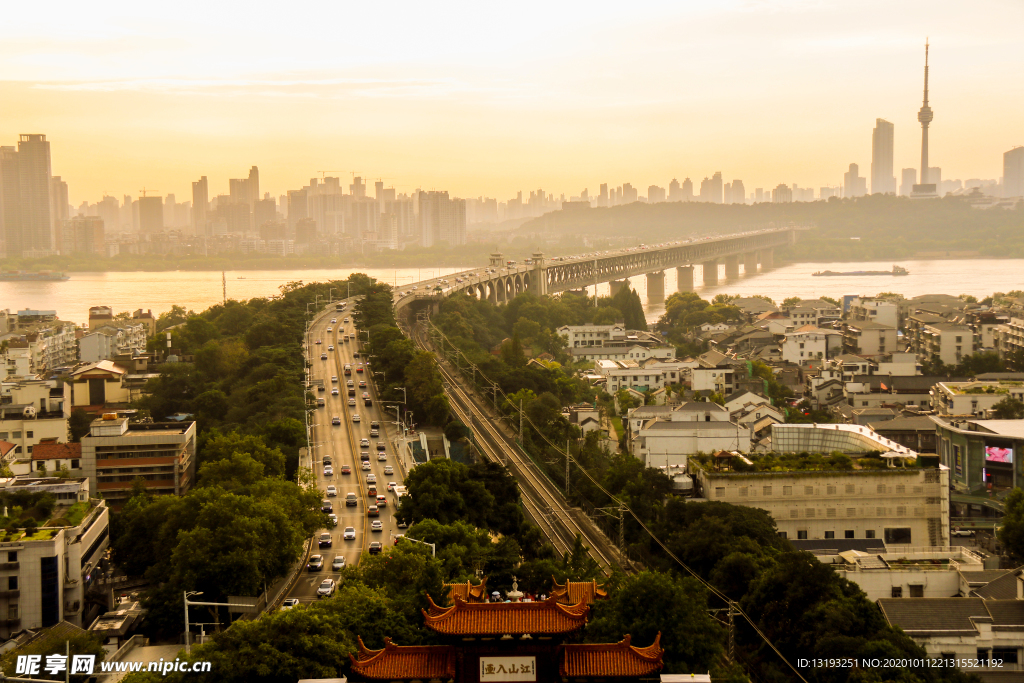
[782, 194]
[655, 194]
[739, 193]
[674, 193]
[200, 205]
[908, 178]
[928, 185]
[151, 214]
[1013, 172]
[882, 179]
[27, 210]
[687, 190]
[441, 219]
[853, 184]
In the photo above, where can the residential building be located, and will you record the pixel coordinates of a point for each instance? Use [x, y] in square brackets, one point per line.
[882, 179]
[805, 345]
[441, 219]
[141, 317]
[33, 411]
[621, 352]
[51, 457]
[98, 385]
[868, 339]
[981, 454]
[83, 235]
[853, 184]
[200, 205]
[782, 194]
[622, 374]
[873, 309]
[103, 343]
[940, 572]
[669, 443]
[816, 312]
[916, 433]
[27, 207]
[592, 335]
[973, 398]
[946, 342]
[715, 373]
[900, 506]
[876, 390]
[116, 453]
[47, 571]
[151, 214]
[908, 178]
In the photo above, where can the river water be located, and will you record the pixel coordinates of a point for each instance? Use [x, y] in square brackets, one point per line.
[127, 291]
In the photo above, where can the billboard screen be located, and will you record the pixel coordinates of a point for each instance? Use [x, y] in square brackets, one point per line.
[998, 454]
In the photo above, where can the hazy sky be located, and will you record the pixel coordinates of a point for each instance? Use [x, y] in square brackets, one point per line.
[489, 98]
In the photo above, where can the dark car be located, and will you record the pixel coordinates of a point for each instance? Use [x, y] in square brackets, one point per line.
[325, 540]
[327, 506]
[375, 549]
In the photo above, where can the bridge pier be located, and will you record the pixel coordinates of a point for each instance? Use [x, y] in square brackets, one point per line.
[617, 285]
[710, 269]
[767, 259]
[732, 267]
[750, 263]
[684, 278]
[656, 286]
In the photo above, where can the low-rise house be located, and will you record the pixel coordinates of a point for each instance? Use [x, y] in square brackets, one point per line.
[585, 416]
[973, 398]
[816, 312]
[873, 391]
[941, 572]
[668, 443]
[981, 454]
[634, 352]
[805, 345]
[752, 414]
[868, 339]
[873, 309]
[752, 306]
[715, 372]
[592, 335]
[99, 385]
[51, 457]
[37, 412]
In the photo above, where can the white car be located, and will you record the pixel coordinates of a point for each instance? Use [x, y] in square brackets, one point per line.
[328, 471]
[965, 533]
[371, 478]
[289, 603]
[391, 486]
[355, 417]
[352, 402]
[382, 456]
[332, 490]
[350, 533]
[376, 525]
[334, 320]
[388, 469]
[326, 589]
[366, 466]
[334, 379]
[364, 443]
[338, 564]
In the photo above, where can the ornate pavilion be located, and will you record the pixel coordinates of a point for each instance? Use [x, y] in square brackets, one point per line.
[510, 641]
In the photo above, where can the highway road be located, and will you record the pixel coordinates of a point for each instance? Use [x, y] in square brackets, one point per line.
[334, 335]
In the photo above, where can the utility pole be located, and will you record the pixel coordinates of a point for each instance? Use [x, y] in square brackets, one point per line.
[567, 467]
[520, 421]
[732, 631]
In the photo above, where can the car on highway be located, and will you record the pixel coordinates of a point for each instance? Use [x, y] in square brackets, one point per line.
[367, 401]
[288, 603]
[388, 469]
[371, 478]
[351, 401]
[366, 466]
[327, 460]
[334, 379]
[346, 320]
[336, 421]
[325, 540]
[319, 341]
[328, 470]
[362, 384]
[359, 368]
[320, 403]
[391, 486]
[373, 511]
[326, 506]
[355, 417]
[345, 469]
[350, 500]
[334, 391]
[326, 589]
[381, 446]
[401, 525]
[332, 519]
[316, 563]
[321, 388]
[350, 533]
[364, 456]
[330, 347]
[330, 329]
[374, 431]
[323, 356]
[364, 443]
[334, 320]
[355, 354]
[382, 456]
[963, 533]
[376, 525]
[382, 501]
[332, 490]
[375, 548]
[338, 564]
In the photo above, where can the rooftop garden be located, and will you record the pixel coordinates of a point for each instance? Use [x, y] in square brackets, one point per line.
[789, 462]
[1001, 387]
[25, 511]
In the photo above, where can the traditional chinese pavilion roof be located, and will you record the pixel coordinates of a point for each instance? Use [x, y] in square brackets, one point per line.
[575, 592]
[405, 662]
[467, 591]
[501, 618]
[610, 660]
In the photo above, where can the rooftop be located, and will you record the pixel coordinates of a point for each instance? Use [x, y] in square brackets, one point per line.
[51, 451]
[505, 618]
[983, 387]
[611, 659]
[951, 616]
[395, 662]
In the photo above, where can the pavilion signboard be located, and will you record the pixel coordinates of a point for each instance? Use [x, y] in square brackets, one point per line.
[502, 669]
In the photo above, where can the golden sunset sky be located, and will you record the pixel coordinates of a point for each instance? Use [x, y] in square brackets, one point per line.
[489, 98]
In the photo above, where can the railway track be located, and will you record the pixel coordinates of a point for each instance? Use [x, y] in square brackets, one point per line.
[545, 504]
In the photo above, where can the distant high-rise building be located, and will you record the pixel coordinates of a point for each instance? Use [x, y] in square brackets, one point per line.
[882, 179]
[399, 212]
[826, 193]
[687, 190]
[358, 188]
[711, 189]
[200, 205]
[26, 200]
[1013, 172]
[629, 194]
[602, 197]
[655, 194]
[853, 184]
[109, 212]
[782, 194]
[298, 207]
[759, 195]
[928, 185]
[935, 176]
[738, 194]
[441, 219]
[265, 211]
[908, 178]
[83, 235]
[151, 214]
[675, 193]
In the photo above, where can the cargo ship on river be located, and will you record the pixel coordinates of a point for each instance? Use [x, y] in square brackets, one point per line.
[896, 270]
[32, 276]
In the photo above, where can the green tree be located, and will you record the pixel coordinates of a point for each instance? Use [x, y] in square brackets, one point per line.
[1009, 408]
[79, 423]
[1011, 535]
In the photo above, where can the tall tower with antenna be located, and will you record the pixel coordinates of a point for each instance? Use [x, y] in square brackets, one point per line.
[925, 116]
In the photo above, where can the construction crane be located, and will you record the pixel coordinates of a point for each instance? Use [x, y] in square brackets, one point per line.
[143, 191]
[324, 173]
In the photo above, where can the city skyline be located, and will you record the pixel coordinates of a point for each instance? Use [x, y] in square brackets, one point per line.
[516, 102]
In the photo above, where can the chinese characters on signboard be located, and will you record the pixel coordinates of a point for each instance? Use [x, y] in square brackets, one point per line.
[508, 669]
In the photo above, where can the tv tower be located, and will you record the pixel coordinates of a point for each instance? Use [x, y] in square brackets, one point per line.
[925, 117]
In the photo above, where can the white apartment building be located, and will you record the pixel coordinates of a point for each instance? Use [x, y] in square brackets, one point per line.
[633, 352]
[592, 335]
[973, 398]
[905, 572]
[107, 341]
[899, 506]
[45, 573]
[868, 339]
[38, 410]
[870, 309]
[947, 342]
[800, 347]
[669, 443]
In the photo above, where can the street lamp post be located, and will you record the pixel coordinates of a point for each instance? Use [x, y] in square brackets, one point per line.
[433, 547]
[188, 643]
